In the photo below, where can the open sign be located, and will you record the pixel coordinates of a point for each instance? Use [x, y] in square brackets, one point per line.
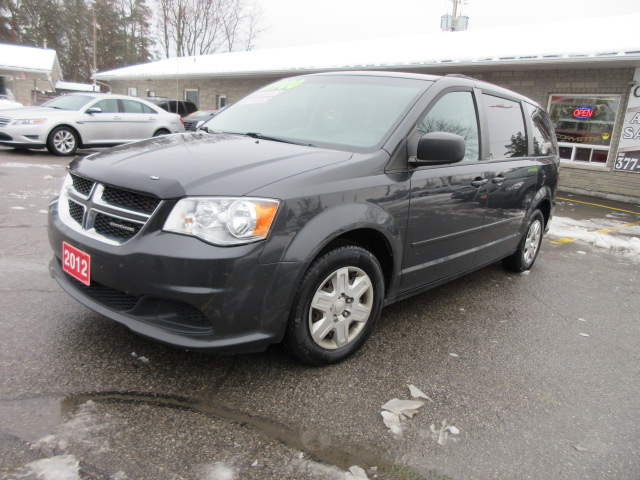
[583, 112]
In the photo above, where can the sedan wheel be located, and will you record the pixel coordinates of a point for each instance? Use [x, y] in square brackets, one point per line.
[336, 306]
[62, 141]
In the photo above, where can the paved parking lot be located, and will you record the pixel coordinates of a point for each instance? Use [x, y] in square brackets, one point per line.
[539, 373]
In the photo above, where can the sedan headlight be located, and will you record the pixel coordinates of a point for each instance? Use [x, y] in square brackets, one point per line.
[223, 220]
[29, 121]
[515, 186]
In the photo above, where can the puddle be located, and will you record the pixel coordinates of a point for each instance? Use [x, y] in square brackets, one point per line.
[316, 444]
[31, 419]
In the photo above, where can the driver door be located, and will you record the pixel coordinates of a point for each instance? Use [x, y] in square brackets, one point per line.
[446, 215]
[106, 126]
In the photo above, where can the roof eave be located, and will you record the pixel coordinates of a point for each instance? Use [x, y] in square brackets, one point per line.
[548, 61]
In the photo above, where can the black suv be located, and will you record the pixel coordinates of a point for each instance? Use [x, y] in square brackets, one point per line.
[174, 105]
[303, 209]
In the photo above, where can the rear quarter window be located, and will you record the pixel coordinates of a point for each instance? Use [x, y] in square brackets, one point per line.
[542, 132]
[507, 137]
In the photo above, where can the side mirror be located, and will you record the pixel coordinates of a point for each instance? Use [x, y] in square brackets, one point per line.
[437, 148]
[93, 110]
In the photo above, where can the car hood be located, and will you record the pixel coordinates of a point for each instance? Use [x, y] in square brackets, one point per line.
[202, 164]
[35, 112]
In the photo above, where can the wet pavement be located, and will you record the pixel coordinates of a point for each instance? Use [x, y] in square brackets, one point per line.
[539, 372]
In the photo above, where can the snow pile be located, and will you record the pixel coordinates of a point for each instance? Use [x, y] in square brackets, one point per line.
[216, 471]
[624, 239]
[62, 467]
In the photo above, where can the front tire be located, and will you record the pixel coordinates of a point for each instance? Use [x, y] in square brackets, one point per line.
[62, 141]
[336, 306]
[529, 246]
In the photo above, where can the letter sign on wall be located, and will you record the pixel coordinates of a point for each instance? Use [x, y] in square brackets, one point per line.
[628, 158]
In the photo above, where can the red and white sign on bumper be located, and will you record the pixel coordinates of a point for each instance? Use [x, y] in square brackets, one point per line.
[76, 263]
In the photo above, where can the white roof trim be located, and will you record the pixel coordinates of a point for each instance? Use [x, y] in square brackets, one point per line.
[28, 59]
[78, 87]
[616, 39]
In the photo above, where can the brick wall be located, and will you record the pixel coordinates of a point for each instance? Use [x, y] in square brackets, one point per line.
[597, 180]
[209, 89]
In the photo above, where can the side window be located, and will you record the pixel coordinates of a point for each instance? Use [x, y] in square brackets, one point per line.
[109, 105]
[131, 106]
[148, 109]
[542, 132]
[507, 138]
[182, 109]
[455, 113]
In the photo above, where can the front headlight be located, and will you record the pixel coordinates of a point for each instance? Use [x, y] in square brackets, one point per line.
[29, 121]
[223, 220]
[515, 186]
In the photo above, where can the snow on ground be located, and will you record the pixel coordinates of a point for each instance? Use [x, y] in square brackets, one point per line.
[624, 240]
[60, 467]
[30, 165]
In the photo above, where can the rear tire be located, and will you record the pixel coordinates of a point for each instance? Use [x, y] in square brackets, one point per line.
[529, 246]
[161, 133]
[336, 306]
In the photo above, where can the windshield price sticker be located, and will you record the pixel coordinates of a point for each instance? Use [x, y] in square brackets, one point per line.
[76, 263]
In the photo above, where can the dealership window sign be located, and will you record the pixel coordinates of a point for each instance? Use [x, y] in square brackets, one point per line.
[628, 158]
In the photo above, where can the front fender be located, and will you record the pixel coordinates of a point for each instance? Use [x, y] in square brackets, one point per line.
[335, 222]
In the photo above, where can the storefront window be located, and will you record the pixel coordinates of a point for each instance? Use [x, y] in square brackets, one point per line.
[584, 125]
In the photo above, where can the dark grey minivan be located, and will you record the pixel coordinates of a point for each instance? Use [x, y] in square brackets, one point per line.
[300, 211]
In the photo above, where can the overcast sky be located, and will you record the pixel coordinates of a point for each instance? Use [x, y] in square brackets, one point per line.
[307, 22]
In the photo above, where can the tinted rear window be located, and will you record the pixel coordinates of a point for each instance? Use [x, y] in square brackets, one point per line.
[507, 138]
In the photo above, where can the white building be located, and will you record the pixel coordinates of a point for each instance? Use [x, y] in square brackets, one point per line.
[585, 72]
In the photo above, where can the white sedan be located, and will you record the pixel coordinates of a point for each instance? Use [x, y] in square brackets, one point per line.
[74, 121]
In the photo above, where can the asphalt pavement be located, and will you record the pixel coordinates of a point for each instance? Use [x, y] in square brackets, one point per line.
[530, 376]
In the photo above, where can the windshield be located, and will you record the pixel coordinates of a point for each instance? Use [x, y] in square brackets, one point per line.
[352, 112]
[68, 102]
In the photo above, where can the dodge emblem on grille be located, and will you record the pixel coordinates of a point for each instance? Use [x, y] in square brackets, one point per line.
[122, 227]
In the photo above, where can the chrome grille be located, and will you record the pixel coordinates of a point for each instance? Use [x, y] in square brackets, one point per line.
[132, 200]
[82, 185]
[109, 214]
[113, 227]
[76, 211]
[4, 121]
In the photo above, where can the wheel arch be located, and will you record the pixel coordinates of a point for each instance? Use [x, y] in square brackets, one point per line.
[366, 225]
[545, 207]
[162, 129]
[372, 240]
[71, 127]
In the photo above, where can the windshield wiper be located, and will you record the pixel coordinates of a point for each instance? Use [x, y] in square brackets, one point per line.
[276, 139]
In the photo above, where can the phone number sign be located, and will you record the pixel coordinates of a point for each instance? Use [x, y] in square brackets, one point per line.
[628, 162]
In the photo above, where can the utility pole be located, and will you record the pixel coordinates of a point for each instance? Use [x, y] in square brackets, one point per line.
[454, 15]
[95, 46]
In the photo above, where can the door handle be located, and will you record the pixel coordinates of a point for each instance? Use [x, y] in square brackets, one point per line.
[117, 117]
[498, 179]
[478, 182]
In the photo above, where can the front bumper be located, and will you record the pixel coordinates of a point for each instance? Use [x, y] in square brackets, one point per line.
[181, 291]
[25, 136]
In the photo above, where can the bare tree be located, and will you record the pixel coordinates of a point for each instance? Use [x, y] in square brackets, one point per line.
[199, 27]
